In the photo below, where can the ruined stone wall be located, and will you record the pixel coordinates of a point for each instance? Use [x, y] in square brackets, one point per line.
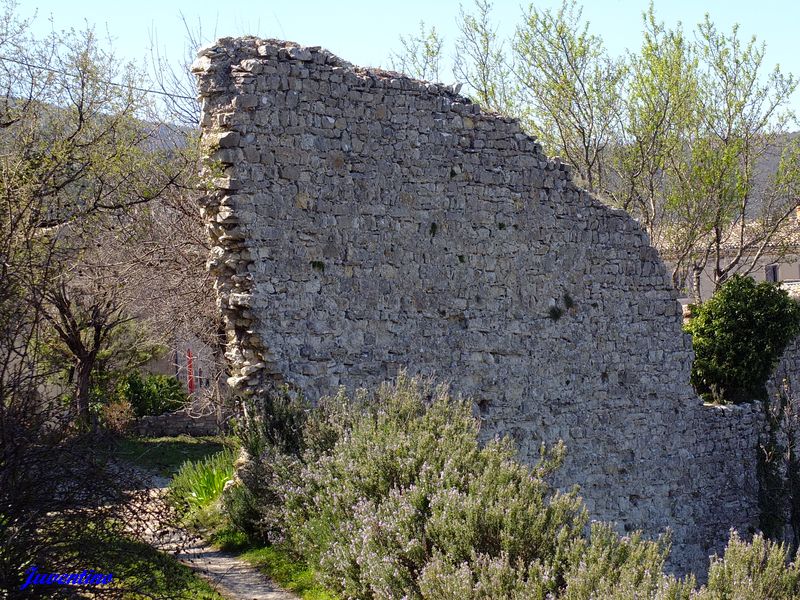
[786, 377]
[785, 385]
[364, 222]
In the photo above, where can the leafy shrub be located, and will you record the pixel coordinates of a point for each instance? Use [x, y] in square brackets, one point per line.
[152, 394]
[738, 336]
[272, 434]
[117, 416]
[393, 497]
[406, 503]
[756, 570]
[273, 420]
[198, 484]
[254, 501]
[241, 507]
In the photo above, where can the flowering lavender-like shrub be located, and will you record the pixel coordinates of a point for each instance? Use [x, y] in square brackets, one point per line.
[407, 503]
[393, 497]
[753, 570]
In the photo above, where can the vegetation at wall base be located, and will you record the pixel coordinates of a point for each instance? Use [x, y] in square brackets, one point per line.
[195, 490]
[738, 337]
[759, 570]
[361, 512]
[198, 484]
[166, 455]
[392, 496]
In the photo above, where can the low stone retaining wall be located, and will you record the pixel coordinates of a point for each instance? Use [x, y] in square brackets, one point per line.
[179, 422]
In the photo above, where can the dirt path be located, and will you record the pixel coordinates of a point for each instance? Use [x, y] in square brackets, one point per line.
[229, 575]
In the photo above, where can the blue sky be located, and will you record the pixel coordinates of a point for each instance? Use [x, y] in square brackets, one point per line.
[367, 32]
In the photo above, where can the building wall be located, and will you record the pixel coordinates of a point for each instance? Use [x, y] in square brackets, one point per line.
[788, 270]
[188, 350]
[363, 222]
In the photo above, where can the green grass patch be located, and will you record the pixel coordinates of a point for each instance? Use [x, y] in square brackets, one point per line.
[139, 570]
[291, 574]
[198, 484]
[166, 455]
[230, 539]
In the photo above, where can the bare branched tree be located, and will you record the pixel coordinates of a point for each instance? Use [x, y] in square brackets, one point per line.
[481, 60]
[421, 54]
[83, 172]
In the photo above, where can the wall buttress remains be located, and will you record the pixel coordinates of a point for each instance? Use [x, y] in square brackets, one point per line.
[364, 222]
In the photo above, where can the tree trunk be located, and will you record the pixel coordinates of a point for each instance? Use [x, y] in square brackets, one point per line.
[83, 373]
[696, 295]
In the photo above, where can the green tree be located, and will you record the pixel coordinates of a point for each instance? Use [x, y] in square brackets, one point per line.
[572, 87]
[481, 62]
[730, 208]
[660, 109]
[421, 54]
[682, 134]
[738, 337]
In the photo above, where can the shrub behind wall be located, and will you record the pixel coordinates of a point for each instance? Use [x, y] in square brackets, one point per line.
[738, 337]
[151, 394]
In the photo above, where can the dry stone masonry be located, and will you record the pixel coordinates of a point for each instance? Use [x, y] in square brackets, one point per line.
[364, 222]
[180, 422]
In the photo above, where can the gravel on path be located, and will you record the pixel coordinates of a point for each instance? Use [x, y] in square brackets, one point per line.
[229, 575]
